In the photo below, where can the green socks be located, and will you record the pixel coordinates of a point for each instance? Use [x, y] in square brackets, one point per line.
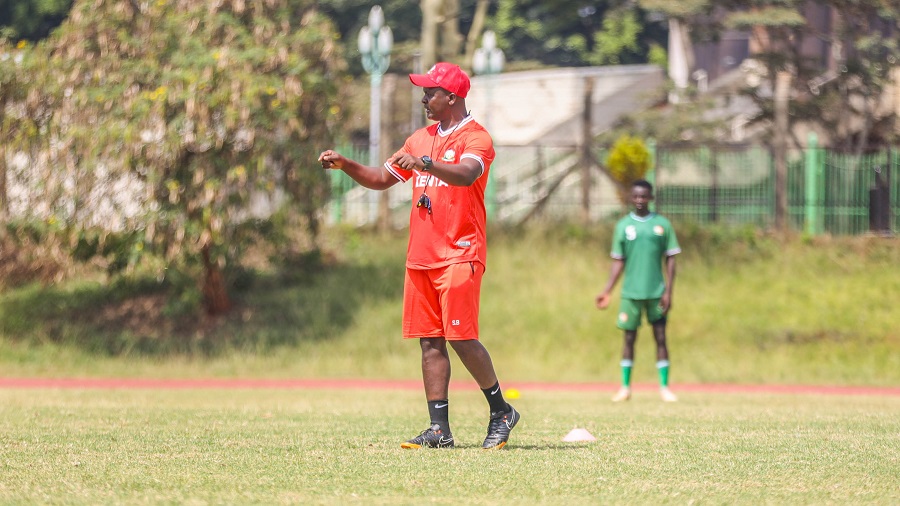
[626, 371]
[663, 367]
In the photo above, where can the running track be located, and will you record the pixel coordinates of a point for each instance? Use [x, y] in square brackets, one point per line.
[364, 384]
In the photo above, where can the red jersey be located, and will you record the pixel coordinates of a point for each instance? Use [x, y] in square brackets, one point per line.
[454, 232]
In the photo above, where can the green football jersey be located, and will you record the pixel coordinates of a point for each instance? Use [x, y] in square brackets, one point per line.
[643, 243]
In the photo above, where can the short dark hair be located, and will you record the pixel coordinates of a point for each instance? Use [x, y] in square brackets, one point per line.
[643, 183]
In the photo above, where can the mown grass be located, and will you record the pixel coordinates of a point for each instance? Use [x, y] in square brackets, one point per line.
[748, 308]
[342, 447]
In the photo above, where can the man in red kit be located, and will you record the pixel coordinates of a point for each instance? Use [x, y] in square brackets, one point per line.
[448, 163]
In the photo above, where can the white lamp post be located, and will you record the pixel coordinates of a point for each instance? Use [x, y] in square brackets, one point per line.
[375, 41]
[488, 60]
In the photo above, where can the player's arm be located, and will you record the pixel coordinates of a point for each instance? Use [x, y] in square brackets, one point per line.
[374, 178]
[672, 249]
[666, 300]
[463, 173]
[615, 272]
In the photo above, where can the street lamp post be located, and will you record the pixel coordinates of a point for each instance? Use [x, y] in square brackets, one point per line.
[488, 61]
[375, 41]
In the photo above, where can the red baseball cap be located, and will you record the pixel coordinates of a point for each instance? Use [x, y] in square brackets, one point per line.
[444, 75]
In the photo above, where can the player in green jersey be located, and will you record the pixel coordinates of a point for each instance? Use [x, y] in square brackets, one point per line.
[641, 242]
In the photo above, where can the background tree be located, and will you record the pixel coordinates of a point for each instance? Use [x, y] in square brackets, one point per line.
[867, 33]
[777, 30]
[429, 30]
[775, 26]
[20, 121]
[21, 21]
[792, 81]
[533, 33]
[170, 121]
[577, 34]
[686, 122]
[31, 20]
[404, 18]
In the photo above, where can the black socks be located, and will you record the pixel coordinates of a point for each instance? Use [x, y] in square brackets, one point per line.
[440, 413]
[439, 410]
[495, 399]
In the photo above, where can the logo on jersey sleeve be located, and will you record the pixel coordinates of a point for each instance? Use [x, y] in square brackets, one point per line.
[449, 156]
[658, 230]
[630, 233]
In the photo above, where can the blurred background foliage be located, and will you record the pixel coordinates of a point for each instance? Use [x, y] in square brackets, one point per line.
[168, 136]
[166, 130]
[31, 20]
[173, 138]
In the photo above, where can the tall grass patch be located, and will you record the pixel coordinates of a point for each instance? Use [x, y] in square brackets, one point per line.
[749, 307]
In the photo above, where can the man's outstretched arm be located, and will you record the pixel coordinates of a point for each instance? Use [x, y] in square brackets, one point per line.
[374, 178]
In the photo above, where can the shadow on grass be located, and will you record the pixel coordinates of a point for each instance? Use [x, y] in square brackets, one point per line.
[285, 308]
[550, 447]
[517, 447]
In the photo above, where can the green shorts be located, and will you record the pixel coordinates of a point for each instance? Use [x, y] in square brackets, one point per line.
[630, 312]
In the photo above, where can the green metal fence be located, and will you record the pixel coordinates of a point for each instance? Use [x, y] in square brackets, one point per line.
[341, 183]
[707, 185]
[827, 191]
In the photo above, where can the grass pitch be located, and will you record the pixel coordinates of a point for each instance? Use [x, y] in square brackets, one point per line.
[342, 447]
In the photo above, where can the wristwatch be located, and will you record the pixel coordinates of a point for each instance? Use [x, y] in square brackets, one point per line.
[426, 160]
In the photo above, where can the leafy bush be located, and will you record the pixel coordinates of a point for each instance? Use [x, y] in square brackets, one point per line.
[628, 161]
[171, 121]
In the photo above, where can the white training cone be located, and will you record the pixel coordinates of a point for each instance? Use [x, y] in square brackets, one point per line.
[578, 435]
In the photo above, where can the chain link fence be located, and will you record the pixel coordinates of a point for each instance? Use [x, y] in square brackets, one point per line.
[828, 192]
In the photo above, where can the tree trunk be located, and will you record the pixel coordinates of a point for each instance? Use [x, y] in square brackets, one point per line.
[451, 40]
[782, 125]
[475, 31]
[215, 293]
[587, 140]
[863, 139]
[431, 12]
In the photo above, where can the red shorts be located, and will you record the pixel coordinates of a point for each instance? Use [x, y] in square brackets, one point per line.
[442, 302]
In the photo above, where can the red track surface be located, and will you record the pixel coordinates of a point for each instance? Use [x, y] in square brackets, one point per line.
[363, 384]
